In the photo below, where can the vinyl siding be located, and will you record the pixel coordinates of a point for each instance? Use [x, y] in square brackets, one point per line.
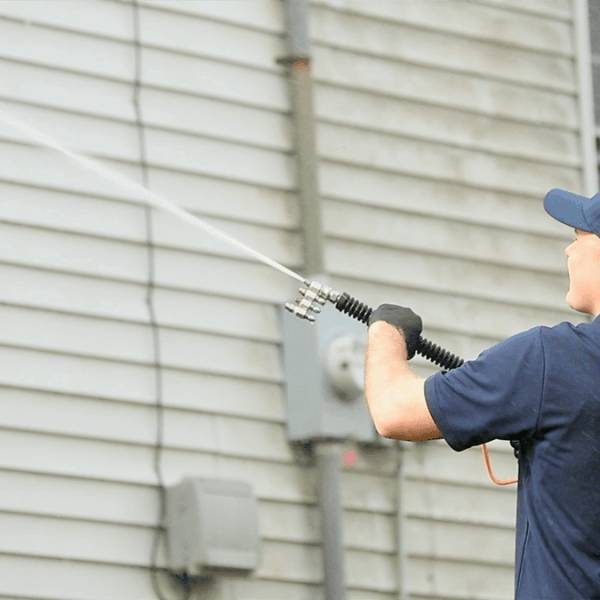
[439, 130]
[441, 127]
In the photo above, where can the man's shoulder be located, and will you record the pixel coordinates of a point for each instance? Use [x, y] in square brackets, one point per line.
[528, 337]
[566, 330]
[566, 338]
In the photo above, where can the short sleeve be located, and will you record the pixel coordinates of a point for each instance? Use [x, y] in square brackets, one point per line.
[495, 396]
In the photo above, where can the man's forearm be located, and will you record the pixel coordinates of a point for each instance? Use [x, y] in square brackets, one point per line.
[387, 374]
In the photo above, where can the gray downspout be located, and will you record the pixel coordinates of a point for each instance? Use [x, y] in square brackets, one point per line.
[400, 449]
[301, 97]
[585, 95]
[329, 476]
[587, 128]
[328, 454]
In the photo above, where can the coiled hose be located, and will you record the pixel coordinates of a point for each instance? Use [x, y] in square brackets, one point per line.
[432, 352]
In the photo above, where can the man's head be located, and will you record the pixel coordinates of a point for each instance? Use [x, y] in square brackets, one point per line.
[583, 254]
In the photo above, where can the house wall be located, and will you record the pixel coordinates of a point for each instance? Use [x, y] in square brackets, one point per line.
[440, 127]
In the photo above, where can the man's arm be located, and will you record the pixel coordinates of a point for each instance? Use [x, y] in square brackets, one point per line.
[395, 395]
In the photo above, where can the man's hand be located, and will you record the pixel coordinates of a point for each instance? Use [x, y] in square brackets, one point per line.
[404, 320]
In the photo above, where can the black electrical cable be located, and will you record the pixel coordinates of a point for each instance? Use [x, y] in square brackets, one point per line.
[157, 358]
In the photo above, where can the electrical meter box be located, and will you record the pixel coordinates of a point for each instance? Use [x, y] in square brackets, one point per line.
[324, 373]
[212, 526]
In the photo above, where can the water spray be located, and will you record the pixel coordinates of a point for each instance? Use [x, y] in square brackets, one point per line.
[140, 190]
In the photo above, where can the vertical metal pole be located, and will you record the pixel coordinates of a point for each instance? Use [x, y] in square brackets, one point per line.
[329, 459]
[301, 96]
[585, 95]
[401, 523]
[587, 129]
[328, 454]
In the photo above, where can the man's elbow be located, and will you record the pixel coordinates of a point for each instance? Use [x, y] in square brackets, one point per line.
[407, 418]
[375, 407]
[385, 429]
[386, 421]
[381, 430]
[388, 424]
[390, 430]
[396, 430]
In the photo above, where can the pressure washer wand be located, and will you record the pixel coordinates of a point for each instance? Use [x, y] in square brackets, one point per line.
[315, 295]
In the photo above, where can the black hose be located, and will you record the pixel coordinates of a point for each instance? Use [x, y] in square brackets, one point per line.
[432, 352]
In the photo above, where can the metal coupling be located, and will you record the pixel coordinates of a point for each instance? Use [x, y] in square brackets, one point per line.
[311, 299]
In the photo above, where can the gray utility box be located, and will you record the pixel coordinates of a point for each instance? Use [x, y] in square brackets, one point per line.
[212, 526]
[324, 372]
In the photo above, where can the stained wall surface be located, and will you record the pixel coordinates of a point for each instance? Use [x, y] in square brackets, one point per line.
[440, 127]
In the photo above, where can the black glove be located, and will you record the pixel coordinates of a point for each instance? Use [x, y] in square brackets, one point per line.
[403, 319]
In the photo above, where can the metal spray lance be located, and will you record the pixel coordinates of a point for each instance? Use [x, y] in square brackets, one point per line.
[315, 295]
[312, 297]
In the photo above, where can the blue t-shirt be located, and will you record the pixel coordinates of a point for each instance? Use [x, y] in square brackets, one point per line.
[542, 387]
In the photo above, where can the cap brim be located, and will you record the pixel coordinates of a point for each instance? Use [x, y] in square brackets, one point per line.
[566, 207]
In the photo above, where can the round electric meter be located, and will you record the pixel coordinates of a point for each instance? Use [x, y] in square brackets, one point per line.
[345, 365]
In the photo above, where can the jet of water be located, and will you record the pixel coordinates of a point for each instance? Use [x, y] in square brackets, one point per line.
[141, 191]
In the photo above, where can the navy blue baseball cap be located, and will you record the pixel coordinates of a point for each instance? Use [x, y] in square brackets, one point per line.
[575, 210]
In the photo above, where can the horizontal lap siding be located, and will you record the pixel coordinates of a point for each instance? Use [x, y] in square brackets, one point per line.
[446, 122]
[77, 387]
[441, 127]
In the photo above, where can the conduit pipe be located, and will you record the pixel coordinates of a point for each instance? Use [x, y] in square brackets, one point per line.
[587, 129]
[329, 483]
[328, 454]
[298, 61]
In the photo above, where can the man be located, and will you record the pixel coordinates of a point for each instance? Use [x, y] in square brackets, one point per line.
[541, 387]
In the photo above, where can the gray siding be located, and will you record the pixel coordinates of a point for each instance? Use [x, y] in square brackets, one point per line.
[441, 125]
[594, 16]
